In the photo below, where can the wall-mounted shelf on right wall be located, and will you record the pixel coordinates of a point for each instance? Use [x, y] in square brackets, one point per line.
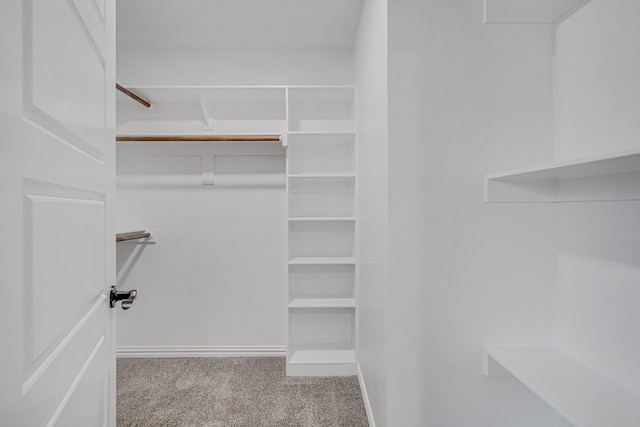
[579, 393]
[614, 177]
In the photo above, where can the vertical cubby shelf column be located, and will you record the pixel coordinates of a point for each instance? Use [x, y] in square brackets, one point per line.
[321, 178]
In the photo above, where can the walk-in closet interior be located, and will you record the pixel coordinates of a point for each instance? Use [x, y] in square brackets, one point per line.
[440, 197]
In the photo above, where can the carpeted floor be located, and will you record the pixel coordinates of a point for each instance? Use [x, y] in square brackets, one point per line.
[232, 392]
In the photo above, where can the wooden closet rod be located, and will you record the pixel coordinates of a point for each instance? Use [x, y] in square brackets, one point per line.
[199, 138]
[132, 236]
[133, 96]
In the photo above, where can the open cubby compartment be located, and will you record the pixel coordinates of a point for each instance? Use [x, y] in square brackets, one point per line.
[321, 197]
[321, 153]
[321, 281]
[322, 109]
[321, 342]
[321, 239]
[187, 110]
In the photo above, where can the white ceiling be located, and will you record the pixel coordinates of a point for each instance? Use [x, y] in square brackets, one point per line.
[238, 24]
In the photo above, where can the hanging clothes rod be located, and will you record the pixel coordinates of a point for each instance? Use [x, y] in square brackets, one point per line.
[199, 138]
[133, 96]
[125, 237]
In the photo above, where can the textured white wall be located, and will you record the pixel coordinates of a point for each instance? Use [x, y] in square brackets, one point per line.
[596, 85]
[216, 276]
[465, 99]
[234, 67]
[597, 100]
[370, 66]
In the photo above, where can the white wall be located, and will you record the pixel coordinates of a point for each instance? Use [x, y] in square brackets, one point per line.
[597, 100]
[370, 65]
[234, 67]
[596, 86]
[465, 99]
[217, 276]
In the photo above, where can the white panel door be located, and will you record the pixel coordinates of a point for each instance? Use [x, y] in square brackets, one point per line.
[57, 153]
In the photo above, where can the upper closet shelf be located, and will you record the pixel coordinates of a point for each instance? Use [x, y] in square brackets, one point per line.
[583, 396]
[613, 177]
[189, 110]
[530, 11]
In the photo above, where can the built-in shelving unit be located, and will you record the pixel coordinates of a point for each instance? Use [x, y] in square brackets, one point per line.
[582, 395]
[322, 224]
[603, 178]
[301, 138]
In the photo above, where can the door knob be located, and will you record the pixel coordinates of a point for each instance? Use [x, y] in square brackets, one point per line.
[126, 297]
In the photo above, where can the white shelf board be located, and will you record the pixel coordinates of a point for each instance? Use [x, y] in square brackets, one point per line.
[580, 394]
[323, 175]
[322, 218]
[530, 11]
[322, 261]
[323, 303]
[297, 132]
[322, 356]
[322, 363]
[610, 177]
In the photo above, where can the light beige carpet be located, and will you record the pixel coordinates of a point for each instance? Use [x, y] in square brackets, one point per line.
[232, 392]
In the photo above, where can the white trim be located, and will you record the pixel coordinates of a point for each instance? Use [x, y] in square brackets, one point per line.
[365, 397]
[200, 351]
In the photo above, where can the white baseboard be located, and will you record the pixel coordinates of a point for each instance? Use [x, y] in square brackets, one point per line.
[365, 397]
[200, 351]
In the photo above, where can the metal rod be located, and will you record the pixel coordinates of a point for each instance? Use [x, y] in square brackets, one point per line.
[199, 138]
[124, 237]
[133, 96]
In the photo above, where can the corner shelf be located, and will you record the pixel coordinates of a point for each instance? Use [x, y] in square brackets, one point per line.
[614, 177]
[580, 394]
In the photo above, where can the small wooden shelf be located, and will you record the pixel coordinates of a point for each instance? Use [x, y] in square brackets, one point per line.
[135, 236]
[323, 303]
[583, 396]
[198, 138]
[322, 261]
[614, 177]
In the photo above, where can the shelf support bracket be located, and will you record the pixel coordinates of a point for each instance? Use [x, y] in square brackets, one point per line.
[208, 165]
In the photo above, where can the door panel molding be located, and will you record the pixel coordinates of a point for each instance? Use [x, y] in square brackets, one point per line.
[49, 385]
[51, 224]
[55, 84]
